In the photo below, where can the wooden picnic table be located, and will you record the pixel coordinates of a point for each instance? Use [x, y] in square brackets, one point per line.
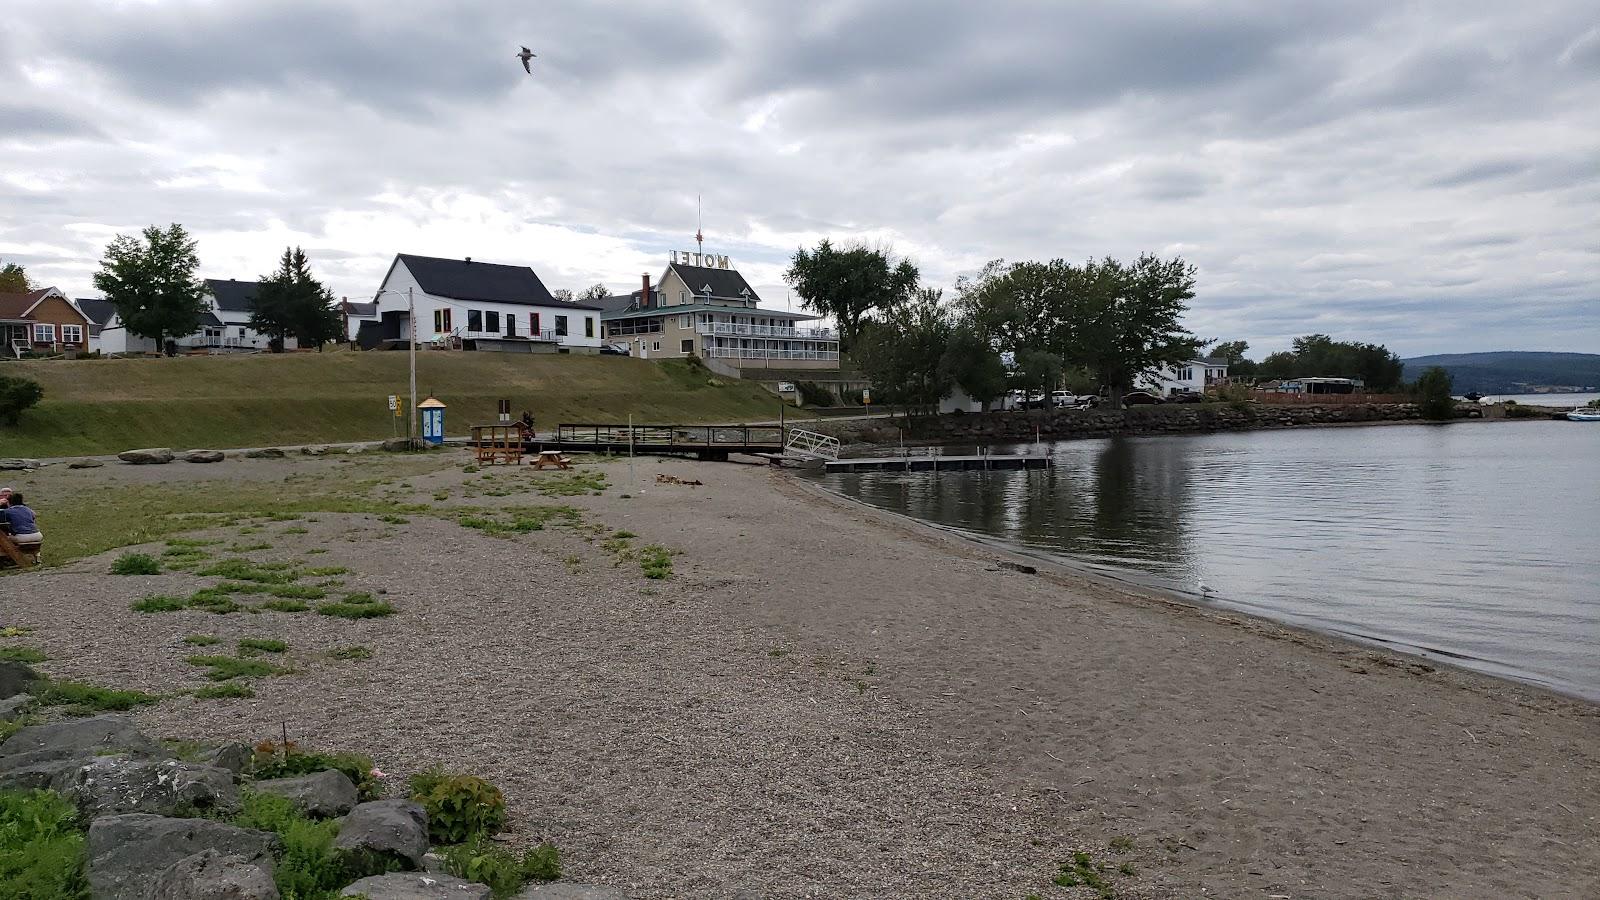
[21, 558]
[549, 458]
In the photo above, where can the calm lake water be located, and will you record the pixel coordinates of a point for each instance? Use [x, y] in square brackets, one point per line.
[1477, 543]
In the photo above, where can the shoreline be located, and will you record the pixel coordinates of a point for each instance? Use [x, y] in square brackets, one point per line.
[825, 701]
[1068, 570]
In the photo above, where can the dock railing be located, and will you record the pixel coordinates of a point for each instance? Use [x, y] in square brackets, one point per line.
[687, 436]
[811, 444]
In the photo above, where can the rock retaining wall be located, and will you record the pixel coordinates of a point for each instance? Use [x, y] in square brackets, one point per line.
[1001, 427]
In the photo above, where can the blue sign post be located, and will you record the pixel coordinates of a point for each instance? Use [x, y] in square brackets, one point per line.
[432, 420]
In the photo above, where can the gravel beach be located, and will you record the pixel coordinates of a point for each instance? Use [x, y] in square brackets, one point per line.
[823, 700]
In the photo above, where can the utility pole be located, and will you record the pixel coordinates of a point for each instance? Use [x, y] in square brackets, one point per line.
[411, 320]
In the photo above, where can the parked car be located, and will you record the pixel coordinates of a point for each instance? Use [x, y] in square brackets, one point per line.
[1140, 398]
[1186, 397]
[613, 349]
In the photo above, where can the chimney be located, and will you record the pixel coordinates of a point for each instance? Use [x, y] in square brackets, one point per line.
[644, 296]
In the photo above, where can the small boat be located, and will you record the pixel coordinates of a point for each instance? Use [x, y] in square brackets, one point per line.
[1584, 414]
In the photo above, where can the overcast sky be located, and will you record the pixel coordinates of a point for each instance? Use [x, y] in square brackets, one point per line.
[1425, 175]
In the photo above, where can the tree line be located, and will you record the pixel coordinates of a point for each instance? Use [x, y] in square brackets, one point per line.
[1015, 326]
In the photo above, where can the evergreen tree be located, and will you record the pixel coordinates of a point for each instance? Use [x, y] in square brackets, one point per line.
[151, 283]
[290, 302]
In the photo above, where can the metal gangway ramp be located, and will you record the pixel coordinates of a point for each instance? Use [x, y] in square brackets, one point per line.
[811, 445]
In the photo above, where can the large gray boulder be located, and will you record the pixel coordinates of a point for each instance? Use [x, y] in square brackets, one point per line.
[164, 787]
[86, 463]
[129, 854]
[210, 875]
[325, 794]
[559, 890]
[15, 678]
[378, 835]
[203, 456]
[16, 465]
[265, 453]
[152, 456]
[13, 706]
[416, 886]
[76, 739]
[234, 757]
[317, 450]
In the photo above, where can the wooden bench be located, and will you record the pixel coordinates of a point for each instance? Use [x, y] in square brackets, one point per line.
[20, 555]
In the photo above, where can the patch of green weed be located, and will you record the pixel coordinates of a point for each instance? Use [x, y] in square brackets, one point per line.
[136, 564]
[230, 690]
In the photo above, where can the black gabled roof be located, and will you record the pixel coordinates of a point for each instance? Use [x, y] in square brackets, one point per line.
[723, 282]
[97, 311]
[233, 296]
[467, 279]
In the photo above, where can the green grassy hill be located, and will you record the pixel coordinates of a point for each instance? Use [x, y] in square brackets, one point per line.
[109, 405]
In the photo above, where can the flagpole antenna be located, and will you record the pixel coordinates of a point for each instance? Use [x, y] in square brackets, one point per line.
[699, 228]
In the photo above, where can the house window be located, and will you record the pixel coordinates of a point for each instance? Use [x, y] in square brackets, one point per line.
[655, 345]
[1186, 374]
[561, 326]
[685, 321]
[474, 320]
[588, 326]
[492, 322]
[688, 345]
[44, 334]
[72, 334]
[441, 321]
[533, 324]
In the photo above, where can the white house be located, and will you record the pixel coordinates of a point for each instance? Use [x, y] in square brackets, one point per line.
[1190, 375]
[471, 305]
[230, 303]
[107, 334]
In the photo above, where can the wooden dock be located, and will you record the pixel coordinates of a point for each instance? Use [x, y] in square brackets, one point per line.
[712, 442]
[936, 463]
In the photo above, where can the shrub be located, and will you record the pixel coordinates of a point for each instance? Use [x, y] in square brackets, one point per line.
[82, 699]
[136, 564]
[1433, 394]
[813, 394]
[273, 761]
[481, 861]
[460, 807]
[41, 850]
[17, 394]
[158, 603]
[310, 868]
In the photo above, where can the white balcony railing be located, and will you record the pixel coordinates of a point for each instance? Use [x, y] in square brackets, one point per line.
[720, 329]
[549, 337]
[748, 353]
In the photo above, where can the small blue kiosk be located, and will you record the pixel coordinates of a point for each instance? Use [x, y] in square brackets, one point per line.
[432, 420]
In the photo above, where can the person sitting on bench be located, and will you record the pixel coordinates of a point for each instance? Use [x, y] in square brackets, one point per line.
[19, 520]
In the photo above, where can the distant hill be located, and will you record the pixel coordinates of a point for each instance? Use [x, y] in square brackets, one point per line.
[1511, 372]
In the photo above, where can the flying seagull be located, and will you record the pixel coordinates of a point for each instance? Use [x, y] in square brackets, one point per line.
[526, 55]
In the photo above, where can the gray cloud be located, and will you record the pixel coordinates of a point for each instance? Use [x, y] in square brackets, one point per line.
[1422, 175]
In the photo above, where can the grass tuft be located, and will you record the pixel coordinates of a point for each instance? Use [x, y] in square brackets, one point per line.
[227, 668]
[261, 645]
[355, 652]
[159, 603]
[136, 564]
[231, 690]
[81, 699]
[22, 655]
[201, 640]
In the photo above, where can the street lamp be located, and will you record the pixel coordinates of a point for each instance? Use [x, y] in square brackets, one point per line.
[411, 350]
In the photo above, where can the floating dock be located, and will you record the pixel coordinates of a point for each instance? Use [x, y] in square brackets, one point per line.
[936, 463]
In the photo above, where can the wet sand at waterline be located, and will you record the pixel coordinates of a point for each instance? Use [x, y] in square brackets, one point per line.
[829, 701]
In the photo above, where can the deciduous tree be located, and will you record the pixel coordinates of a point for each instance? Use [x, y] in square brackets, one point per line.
[902, 350]
[151, 283]
[14, 279]
[594, 293]
[971, 363]
[850, 284]
[1123, 321]
[1434, 394]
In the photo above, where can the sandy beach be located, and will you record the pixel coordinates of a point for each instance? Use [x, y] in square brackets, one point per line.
[827, 701]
